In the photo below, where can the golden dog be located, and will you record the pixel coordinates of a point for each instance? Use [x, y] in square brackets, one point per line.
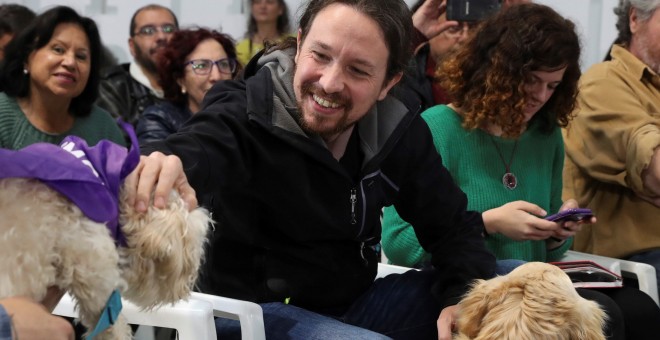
[535, 301]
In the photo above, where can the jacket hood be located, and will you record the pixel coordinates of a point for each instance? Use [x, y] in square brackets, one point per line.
[285, 108]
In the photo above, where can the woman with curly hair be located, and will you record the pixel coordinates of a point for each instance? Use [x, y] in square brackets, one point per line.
[191, 63]
[514, 85]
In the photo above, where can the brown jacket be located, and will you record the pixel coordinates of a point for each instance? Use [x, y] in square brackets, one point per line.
[608, 145]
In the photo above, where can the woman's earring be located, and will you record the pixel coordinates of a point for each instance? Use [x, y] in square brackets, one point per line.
[25, 71]
[183, 90]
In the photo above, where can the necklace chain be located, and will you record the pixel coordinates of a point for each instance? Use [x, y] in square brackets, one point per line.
[509, 179]
[507, 166]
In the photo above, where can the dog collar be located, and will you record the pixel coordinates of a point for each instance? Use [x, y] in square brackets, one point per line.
[90, 176]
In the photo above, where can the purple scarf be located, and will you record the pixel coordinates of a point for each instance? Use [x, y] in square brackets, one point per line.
[89, 176]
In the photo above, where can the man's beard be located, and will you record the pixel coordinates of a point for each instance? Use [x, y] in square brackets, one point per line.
[649, 58]
[143, 58]
[316, 125]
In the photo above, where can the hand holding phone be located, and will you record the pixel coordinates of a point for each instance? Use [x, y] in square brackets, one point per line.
[575, 215]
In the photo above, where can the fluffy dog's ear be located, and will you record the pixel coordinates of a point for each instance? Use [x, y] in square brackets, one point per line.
[588, 322]
[489, 306]
[554, 307]
[473, 307]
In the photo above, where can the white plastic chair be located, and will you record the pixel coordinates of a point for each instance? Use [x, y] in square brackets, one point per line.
[385, 269]
[193, 319]
[644, 273]
[249, 314]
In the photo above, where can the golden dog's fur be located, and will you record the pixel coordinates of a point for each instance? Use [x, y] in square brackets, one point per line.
[47, 241]
[535, 301]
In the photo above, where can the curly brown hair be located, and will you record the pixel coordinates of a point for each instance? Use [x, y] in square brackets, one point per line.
[487, 76]
[171, 60]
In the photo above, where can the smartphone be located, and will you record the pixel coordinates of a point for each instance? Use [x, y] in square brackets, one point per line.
[576, 215]
[471, 10]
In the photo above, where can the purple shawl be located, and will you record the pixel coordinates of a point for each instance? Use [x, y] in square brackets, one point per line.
[89, 176]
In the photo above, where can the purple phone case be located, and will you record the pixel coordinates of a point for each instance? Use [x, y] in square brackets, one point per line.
[577, 214]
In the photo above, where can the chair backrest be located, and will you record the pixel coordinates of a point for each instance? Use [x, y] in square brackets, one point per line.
[249, 314]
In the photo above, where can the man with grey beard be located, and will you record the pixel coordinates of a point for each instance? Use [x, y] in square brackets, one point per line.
[127, 89]
[612, 157]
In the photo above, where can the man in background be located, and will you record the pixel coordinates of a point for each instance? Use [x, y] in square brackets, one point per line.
[612, 156]
[127, 89]
[434, 49]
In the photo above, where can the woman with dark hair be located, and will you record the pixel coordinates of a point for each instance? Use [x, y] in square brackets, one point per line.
[192, 61]
[269, 21]
[514, 85]
[50, 79]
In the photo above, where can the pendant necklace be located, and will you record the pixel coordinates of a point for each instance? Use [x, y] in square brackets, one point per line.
[509, 179]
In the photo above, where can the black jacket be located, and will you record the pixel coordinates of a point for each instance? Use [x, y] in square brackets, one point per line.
[123, 96]
[161, 120]
[291, 222]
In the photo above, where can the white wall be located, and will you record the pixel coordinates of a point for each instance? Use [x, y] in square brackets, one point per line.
[596, 25]
[594, 18]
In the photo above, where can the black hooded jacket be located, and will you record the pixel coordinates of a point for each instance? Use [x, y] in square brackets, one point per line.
[291, 221]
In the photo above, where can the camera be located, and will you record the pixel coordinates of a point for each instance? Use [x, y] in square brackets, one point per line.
[471, 10]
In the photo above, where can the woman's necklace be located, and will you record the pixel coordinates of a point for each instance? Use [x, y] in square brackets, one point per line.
[509, 179]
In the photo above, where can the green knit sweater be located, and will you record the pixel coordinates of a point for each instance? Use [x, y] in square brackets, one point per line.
[477, 168]
[17, 132]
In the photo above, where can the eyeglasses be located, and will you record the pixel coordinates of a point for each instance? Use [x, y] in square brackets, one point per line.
[150, 30]
[203, 67]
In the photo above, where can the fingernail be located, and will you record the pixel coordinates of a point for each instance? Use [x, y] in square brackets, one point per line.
[159, 202]
[141, 207]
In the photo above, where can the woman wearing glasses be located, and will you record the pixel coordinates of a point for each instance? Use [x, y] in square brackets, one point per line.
[192, 61]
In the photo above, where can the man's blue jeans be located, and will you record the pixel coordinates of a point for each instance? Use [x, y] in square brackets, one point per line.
[398, 306]
[503, 267]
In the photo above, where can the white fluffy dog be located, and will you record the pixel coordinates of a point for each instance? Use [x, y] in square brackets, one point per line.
[535, 301]
[47, 240]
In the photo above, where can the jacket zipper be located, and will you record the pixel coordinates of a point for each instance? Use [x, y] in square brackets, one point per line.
[353, 200]
[353, 203]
